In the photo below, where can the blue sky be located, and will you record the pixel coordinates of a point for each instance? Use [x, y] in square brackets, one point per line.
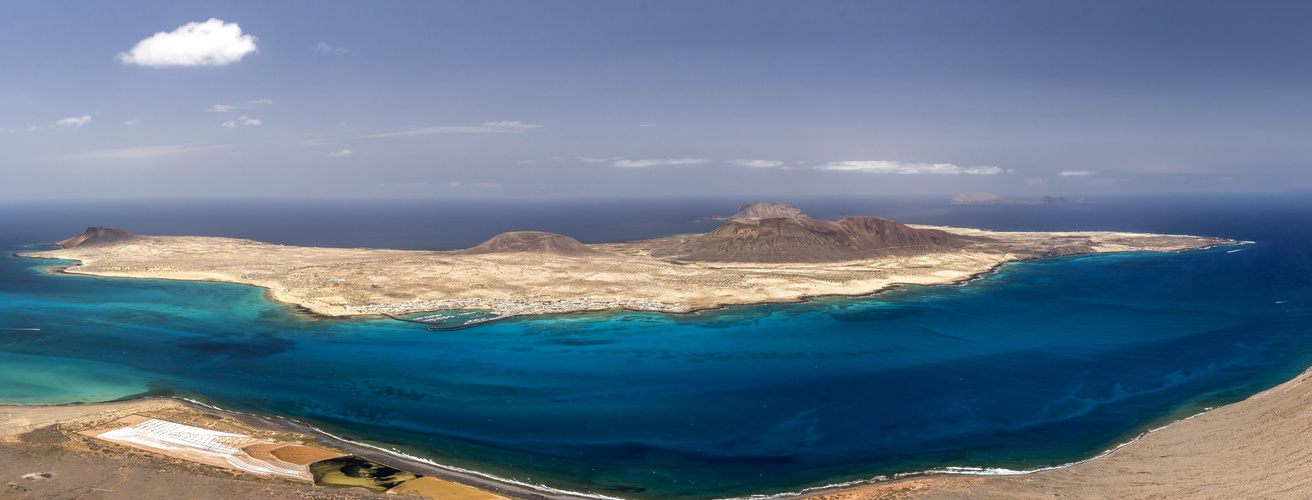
[605, 99]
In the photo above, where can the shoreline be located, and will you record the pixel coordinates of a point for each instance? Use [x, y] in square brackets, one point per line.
[526, 491]
[271, 295]
[391, 458]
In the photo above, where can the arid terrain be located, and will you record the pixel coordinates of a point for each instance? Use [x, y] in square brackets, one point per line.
[43, 456]
[53, 452]
[742, 262]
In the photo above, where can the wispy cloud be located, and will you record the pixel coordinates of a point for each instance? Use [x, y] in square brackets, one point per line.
[211, 43]
[897, 167]
[599, 160]
[658, 162]
[1076, 173]
[757, 163]
[481, 185]
[75, 122]
[224, 108]
[242, 120]
[485, 128]
[339, 154]
[329, 49]
[314, 142]
[132, 122]
[260, 102]
[137, 152]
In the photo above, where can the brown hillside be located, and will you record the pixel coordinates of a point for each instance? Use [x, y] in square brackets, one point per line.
[810, 240]
[533, 242]
[98, 236]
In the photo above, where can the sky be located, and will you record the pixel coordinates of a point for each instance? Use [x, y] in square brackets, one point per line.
[603, 99]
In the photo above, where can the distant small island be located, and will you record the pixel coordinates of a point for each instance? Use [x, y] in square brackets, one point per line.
[993, 199]
[768, 252]
[762, 210]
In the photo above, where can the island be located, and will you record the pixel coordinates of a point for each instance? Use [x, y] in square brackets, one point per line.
[993, 199]
[783, 257]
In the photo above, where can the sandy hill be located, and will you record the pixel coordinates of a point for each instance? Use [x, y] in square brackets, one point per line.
[533, 242]
[810, 240]
[98, 236]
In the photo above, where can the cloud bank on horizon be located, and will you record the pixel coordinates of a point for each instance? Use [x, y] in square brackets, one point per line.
[613, 99]
[897, 167]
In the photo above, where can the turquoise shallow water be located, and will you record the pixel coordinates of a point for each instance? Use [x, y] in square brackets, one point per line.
[1042, 363]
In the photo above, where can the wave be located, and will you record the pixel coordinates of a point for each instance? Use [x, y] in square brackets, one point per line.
[961, 470]
[846, 485]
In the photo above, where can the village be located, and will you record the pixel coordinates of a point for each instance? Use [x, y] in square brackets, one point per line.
[504, 308]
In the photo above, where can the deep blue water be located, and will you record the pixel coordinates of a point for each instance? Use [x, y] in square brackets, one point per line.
[1042, 363]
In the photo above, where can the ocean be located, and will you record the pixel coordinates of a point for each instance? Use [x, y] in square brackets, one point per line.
[1036, 365]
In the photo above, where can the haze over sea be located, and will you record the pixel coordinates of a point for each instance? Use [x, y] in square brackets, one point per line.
[1042, 363]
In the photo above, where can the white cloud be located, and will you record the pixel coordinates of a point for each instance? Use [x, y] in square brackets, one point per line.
[487, 127]
[211, 43]
[339, 154]
[599, 160]
[1076, 173]
[658, 162]
[897, 167]
[329, 49]
[76, 121]
[314, 142]
[242, 120]
[481, 185]
[228, 108]
[757, 163]
[132, 122]
[136, 153]
[224, 108]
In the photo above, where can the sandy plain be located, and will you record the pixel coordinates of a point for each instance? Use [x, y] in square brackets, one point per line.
[49, 452]
[43, 456]
[340, 282]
